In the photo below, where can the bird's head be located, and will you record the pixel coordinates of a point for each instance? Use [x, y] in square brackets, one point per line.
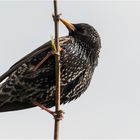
[81, 31]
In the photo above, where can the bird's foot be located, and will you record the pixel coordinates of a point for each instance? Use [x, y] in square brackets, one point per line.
[45, 58]
[57, 115]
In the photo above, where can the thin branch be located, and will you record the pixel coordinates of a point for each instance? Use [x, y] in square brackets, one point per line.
[57, 70]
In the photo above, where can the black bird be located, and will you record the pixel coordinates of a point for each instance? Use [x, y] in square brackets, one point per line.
[26, 86]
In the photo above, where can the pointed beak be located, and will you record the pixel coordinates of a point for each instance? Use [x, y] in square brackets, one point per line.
[69, 25]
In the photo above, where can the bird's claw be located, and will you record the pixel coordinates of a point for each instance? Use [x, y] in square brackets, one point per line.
[59, 115]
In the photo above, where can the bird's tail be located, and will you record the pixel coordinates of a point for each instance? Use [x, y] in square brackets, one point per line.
[5, 105]
[15, 106]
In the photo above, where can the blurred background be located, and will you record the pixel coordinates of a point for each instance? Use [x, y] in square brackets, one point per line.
[110, 108]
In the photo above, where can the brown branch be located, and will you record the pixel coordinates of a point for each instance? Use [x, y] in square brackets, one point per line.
[57, 70]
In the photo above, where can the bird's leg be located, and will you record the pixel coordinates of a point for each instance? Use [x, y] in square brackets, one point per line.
[57, 115]
[43, 107]
[45, 58]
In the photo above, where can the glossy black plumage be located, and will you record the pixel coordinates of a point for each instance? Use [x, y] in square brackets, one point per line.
[78, 61]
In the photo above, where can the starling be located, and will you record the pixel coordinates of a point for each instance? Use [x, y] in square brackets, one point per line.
[27, 85]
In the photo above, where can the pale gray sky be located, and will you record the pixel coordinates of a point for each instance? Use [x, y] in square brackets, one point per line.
[110, 108]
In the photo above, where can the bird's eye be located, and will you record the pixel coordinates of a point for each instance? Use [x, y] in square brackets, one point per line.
[80, 30]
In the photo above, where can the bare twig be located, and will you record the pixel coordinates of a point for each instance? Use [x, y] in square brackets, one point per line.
[57, 70]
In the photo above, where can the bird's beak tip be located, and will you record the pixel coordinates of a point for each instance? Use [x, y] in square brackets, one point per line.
[69, 25]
